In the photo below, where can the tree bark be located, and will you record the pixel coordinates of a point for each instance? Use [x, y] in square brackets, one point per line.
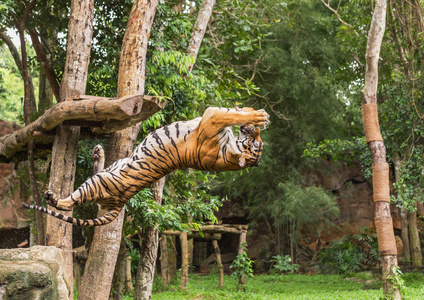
[148, 251]
[184, 259]
[62, 173]
[164, 264]
[128, 275]
[120, 272]
[107, 238]
[380, 168]
[218, 263]
[417, 257]
[199, 29]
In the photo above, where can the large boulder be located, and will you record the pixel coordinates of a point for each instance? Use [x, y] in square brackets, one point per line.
[32, 273]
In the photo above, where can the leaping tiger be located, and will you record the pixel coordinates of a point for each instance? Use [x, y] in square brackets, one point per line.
[205, 143]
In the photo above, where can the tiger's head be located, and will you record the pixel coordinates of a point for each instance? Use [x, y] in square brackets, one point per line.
[250, 143]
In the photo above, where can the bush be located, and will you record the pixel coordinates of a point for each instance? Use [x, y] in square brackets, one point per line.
[350, 254]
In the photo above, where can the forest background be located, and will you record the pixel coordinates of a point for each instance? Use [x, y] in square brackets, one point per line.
[302, 61]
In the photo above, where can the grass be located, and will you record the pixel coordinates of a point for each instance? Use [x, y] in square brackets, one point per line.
[285, 287]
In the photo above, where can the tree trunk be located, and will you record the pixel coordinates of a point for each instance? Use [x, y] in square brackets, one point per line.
[120, 272]
[65, 144]
[218, 263]
[403, 217]
[380, 168]
[184, 259]
[417, 257]
[29, 108]
[164, 264]
[199, 28]
[106, 240]
[128, 275]
[148, 251]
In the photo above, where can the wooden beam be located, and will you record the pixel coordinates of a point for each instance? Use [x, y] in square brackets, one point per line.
[114, 113]
[223, 228]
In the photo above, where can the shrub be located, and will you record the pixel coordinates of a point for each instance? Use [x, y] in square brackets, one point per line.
[352, 253]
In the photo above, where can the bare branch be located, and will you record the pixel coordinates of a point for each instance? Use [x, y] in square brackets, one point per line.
[336, 12]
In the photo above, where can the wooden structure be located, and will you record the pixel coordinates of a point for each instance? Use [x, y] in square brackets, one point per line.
[210, 232]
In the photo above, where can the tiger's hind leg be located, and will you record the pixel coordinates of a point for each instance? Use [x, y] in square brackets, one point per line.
[61, 204]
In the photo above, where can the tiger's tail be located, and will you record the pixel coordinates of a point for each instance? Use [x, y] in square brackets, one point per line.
[106, 219]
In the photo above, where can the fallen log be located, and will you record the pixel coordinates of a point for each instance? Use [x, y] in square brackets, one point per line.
[106, 114]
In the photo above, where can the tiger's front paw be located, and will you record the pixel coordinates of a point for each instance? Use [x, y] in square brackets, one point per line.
[50, 198]
[261, 118]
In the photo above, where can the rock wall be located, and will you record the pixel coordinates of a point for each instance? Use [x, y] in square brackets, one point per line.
[32, 273]
[13, 190]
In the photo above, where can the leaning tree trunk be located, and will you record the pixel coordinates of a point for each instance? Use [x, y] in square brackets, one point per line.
[148, 251]
[106, 241]
[199, 28]
[380, 168]
[65, 144]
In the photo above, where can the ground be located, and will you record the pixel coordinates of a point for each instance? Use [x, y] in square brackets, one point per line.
[285, 287]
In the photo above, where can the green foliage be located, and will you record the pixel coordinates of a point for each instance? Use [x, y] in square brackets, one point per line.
[410, 185]
[298, 70]
[396, 278]
[242, 265]
[350, 254]
[180, 203]
[346, 151]
[283, 264]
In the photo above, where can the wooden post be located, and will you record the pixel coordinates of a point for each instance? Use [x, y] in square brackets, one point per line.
[219, 263]
[190, 248]
[172, 256]
[241, 249]
[164, 265]
[184, 259]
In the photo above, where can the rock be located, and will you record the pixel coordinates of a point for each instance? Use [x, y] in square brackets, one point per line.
[12, 192]
[33, 273]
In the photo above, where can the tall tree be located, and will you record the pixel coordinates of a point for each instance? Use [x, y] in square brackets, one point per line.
[29, 99]
[380, 168]
[104, 250]
[62, 172]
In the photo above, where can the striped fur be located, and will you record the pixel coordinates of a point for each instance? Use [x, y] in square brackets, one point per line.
[205, 143]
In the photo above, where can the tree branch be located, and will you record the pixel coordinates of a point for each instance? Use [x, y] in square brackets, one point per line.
[122, 112]
[45, 64]
[13, 51]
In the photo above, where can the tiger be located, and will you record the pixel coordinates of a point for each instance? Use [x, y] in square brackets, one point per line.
[206, 143]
